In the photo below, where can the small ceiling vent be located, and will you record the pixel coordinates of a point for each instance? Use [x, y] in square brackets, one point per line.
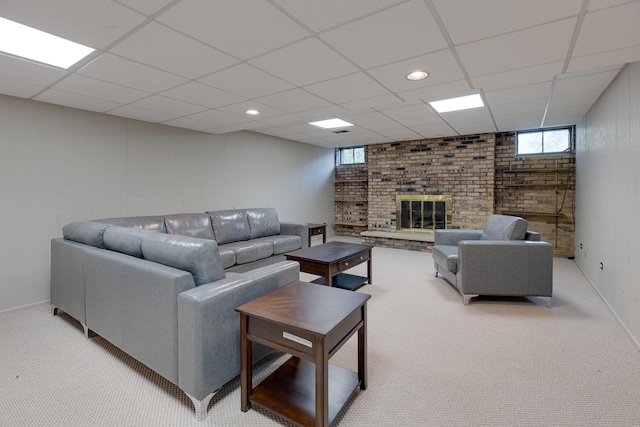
[341, 131]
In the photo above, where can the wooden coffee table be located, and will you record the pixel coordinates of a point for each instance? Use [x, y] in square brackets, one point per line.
[311, 323]
[330, 260]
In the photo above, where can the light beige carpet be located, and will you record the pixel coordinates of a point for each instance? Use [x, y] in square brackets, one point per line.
[432, 362]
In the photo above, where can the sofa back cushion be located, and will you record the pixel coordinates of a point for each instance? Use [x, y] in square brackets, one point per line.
[199, 257]
[263, 222]
[126, 240]
[154, 223]
[230, 225]
[190, 224]
[87, 232]
[505, 227]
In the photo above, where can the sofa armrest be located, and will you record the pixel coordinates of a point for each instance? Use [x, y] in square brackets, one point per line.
[296, 229]
[209, 326]
[505, 267]
[453, 237]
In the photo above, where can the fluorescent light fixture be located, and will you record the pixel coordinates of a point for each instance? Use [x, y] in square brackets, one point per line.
[331, 123]
[456, 104]
[252, 112]
[417, 75]
[26, 42]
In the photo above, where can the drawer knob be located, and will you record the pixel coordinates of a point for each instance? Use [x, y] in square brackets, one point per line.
[346, 263]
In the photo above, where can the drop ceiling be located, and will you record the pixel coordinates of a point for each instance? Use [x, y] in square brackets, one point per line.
[200, 64]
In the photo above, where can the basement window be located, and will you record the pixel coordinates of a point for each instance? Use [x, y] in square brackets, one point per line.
[351, 156]
[544, 141]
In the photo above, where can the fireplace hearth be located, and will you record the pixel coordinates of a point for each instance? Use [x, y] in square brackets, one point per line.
[423, 213]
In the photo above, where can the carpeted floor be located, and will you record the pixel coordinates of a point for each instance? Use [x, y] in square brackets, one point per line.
[432, 362]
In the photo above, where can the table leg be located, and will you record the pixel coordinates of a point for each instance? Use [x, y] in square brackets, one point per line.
[322, 385]
[246, 386]
[362, 350]
[369, 269]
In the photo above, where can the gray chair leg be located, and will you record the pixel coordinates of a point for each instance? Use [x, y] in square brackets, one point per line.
[54, 310]
[467, 297]
[88, 333]
[547, 300]
[201, 406]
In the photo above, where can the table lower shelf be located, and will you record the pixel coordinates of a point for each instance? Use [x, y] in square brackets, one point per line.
[347, 281]
[290, 391]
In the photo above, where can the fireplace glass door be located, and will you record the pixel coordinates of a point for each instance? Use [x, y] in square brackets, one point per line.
[423, 215]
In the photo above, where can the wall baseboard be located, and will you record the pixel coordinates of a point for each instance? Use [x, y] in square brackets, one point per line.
[7, 310]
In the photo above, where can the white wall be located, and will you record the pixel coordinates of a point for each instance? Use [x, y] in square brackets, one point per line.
[59, 165]
[608, 197]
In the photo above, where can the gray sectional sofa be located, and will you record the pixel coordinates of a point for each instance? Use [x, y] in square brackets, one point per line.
[164, 288]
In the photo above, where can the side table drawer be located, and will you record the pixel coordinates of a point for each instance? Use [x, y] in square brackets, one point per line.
[317, 231]
[359, 258]
[282, 336]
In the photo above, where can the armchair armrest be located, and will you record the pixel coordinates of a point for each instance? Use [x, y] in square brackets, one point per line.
[453, 237]
[209, 326]
[296, 229]
[505, 267]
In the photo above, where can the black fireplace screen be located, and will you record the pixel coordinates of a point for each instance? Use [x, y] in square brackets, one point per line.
[423, 215]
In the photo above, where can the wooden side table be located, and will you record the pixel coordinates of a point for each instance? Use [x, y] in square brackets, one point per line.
[311, 323]
[316, 230]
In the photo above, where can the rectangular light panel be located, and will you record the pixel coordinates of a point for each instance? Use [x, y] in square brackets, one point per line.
[331, 123]
[26, 42]
[457, 104]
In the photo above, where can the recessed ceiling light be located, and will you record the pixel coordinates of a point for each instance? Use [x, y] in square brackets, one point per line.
[417, 75]
[26, 42]
[252, 112]
[456, 104]
[331, 123]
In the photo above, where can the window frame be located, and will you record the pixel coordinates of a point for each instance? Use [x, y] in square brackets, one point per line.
[570, 129]
[341, 151]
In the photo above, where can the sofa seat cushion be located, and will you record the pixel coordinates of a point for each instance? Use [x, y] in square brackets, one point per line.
[282, 244]
[446, 256]
[230, 225]
[227, 256]
[250, 250]
[200, 257]
[263, 222]
[190, 224]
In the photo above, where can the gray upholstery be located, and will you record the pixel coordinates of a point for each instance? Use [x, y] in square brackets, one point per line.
[125, 279]
[230, 225]
[87, 232]
[190, 224]
[263, 222]
[125, 240]
[199, 257]
[514, 263]
[154, 223]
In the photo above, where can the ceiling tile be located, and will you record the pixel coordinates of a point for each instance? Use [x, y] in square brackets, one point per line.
[462, 17]
[314, 62]
[187, 123]
[348, 88]
[247, 81]
[372, 102]
[512, 51]
[518, 77]
[618, 56]
[398, 33]
[583, 83]
[266, 111]
[207, 96]
[73, 100]
[294, 101]
[113, 69]
[93, 88]
[609, 29]
[438, 92]
[170, 51]
[400, 134]
[519, 107]
[471, 126]
[168, 106]
[217, 118]
[148, 7]
[435, 130]
[28, 72]
[261, 29]
[520, 121]
[93, 23]
[141, 114]
[575, 99]
[329, 13]
[441, 66]
[565, 116]
[518, 93]
[19, 89]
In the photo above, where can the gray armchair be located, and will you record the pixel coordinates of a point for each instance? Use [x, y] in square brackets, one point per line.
[504, 259]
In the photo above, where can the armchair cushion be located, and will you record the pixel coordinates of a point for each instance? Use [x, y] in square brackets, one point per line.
[447, 256]
[505, 227]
